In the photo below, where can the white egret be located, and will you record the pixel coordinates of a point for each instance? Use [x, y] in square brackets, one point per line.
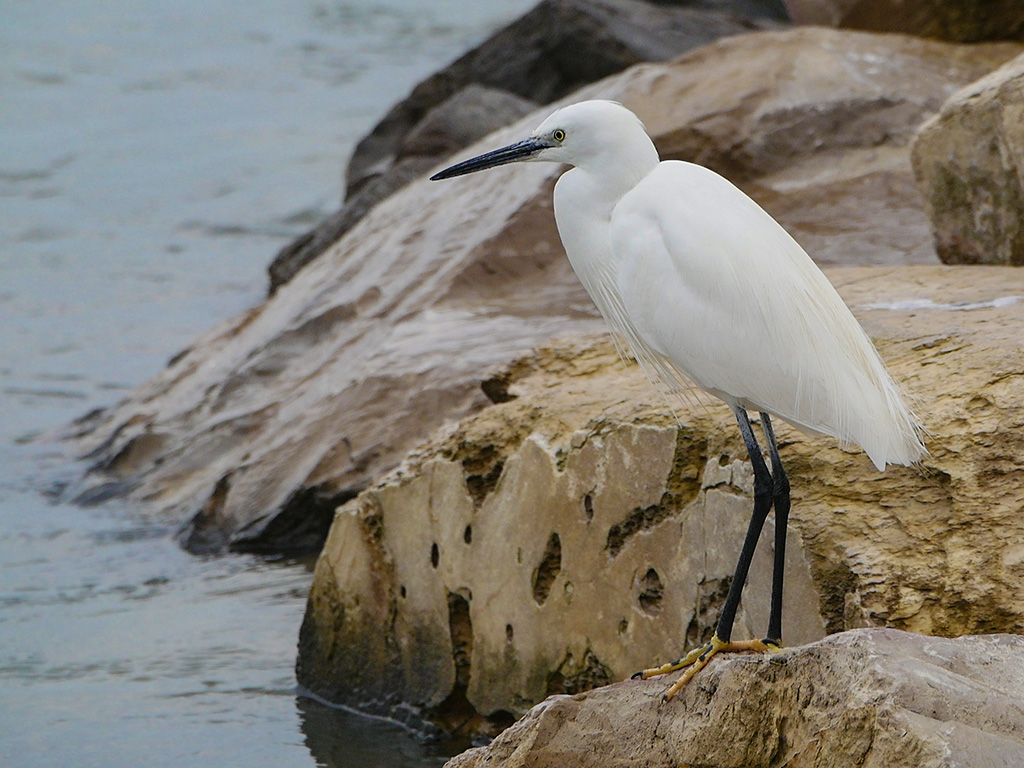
[704, 285]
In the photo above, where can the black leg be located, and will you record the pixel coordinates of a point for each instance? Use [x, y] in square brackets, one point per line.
[781, 503]
[764, 493]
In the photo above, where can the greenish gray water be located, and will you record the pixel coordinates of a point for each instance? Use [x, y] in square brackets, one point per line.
[153, 158]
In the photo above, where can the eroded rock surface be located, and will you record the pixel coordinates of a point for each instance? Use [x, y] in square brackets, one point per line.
[969, 161]
[576, 532]
[869, 698]
[257, 432]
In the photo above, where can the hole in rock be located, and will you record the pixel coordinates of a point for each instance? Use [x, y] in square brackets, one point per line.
[548, 570]
[574, 677]
[710, 600]
[435, 554]
[456, 714]
[496, 389]
[651, 592]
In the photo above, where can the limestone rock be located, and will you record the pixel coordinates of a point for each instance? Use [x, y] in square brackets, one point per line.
[969, 161]
[871, 698]
[963, 21]
[256, 433]
[576, 532]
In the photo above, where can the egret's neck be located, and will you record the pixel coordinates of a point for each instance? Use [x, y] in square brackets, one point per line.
[610, 175]
[584, 199]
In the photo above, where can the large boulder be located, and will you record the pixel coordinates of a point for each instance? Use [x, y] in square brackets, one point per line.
[969, 161]
[577, 531]
[258, 431]
[557, 47]
[867, 698]
[962, 21]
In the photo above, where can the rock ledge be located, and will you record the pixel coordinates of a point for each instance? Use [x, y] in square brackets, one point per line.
[870, 697]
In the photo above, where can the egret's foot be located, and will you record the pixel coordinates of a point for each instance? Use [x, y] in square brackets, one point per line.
[698, 658]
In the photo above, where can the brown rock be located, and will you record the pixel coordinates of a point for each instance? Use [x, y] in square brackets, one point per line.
[576, 532]
[871, 698]
[267, 423]
[969, 161]
[962, 21]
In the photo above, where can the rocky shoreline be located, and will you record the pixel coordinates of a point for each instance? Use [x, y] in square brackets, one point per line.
[577, 531]
[511, 513]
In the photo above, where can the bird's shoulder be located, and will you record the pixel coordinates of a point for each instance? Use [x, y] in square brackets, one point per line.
[680, 191]
[700, 220]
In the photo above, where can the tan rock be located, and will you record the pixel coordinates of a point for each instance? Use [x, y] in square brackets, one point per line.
[871, 698]
[264, 426]
[969, 161]
[577, 532]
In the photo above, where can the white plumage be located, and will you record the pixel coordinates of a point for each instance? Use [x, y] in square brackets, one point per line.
[702, 284]
[701, 281]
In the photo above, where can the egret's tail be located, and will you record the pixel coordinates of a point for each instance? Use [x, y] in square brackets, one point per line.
[893, 434]
[860, 403]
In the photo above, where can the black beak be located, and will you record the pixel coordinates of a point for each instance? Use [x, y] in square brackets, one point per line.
[521, 150]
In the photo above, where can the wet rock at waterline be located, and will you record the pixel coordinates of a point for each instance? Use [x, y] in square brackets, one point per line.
[576, 532]
[876, 698]
[256, 433]
[547, 53]
[969, 161]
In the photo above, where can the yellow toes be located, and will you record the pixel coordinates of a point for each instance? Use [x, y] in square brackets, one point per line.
[698, 658]
[672, 666]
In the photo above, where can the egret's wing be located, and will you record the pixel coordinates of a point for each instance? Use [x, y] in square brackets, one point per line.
[710, 282]
[661, 372]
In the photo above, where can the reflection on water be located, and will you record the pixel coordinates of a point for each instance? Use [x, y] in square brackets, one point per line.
[154, 158]
[341, 740]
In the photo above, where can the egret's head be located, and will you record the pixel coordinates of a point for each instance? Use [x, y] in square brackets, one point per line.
[574, 135]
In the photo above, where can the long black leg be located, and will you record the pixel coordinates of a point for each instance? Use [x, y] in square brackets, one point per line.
[781, 503]
[763, 496]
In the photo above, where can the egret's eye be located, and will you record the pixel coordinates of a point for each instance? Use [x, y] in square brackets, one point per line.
[558, 135]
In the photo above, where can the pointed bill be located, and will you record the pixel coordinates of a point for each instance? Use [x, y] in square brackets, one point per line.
[513, 153]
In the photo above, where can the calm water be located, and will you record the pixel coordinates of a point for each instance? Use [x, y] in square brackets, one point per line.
[153, 158]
